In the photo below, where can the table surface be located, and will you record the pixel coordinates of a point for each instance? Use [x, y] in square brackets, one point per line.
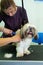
[36, 53]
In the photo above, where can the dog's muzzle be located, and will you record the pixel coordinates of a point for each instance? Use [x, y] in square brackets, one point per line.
[30, 33]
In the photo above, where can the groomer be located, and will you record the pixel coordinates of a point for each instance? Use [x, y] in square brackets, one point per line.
[13, 17]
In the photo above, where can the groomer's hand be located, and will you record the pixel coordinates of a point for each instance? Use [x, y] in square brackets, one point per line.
[16, 38]
[7, 31]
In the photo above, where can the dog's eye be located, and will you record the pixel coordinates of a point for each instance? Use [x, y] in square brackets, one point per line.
[33, 29]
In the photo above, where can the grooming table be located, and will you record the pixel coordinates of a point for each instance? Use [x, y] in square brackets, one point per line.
[40, 39]
[36, 53]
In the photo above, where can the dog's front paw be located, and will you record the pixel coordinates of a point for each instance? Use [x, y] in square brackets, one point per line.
[19, 55]
[27, 52]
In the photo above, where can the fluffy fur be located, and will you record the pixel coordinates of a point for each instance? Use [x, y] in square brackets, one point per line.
[27, 32]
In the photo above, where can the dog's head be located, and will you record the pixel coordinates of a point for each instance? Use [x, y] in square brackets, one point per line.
[29, 31]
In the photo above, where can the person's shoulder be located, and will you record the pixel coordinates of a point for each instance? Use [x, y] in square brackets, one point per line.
[21, 9]
[1, 13]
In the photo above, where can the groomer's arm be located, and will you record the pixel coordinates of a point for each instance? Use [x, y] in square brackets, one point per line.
[5, 30]
[5, 41]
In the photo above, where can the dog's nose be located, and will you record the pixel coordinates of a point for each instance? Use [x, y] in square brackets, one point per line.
[30, 29]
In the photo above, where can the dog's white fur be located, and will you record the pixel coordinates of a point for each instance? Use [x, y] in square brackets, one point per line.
[24, 44]
[22, 47]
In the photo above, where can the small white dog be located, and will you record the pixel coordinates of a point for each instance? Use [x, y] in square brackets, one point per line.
[27, 32]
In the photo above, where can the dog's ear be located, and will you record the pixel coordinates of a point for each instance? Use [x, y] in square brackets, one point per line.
[21, 33]
[35, 33]
[36, 37]
[22, 36]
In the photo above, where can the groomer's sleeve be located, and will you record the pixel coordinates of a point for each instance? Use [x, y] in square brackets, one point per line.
[24, 17]
[0, 17]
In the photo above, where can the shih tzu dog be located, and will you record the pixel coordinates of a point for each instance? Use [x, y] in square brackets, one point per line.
[27, 32]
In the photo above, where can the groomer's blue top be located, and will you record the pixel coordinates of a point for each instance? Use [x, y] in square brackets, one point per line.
[40, 39]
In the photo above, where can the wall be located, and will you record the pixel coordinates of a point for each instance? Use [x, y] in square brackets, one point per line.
[34, 11]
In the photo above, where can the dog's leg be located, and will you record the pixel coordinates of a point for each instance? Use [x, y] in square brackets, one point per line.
[26, 46]
[19, 49]
[19, 52]
[27, 52]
